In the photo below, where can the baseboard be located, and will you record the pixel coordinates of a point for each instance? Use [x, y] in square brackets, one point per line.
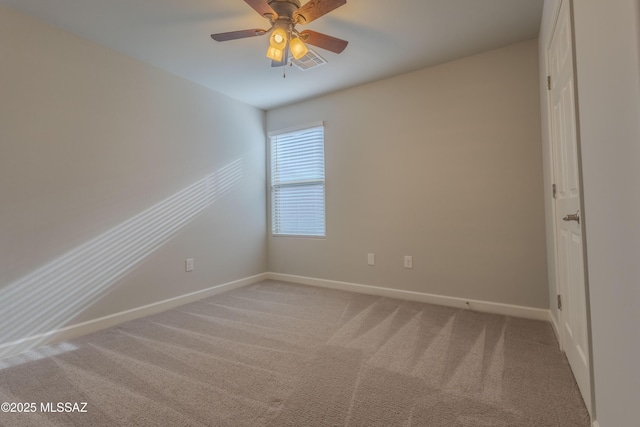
[483, 306]
[79, 329]
[554, 324]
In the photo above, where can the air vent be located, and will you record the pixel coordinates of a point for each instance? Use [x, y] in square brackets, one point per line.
[309, 61]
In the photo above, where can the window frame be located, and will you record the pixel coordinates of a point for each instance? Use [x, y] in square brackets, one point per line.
[272, 186]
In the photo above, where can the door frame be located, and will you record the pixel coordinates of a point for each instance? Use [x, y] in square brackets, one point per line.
[583, 215]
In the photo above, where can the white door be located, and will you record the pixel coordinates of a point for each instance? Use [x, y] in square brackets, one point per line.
[570, 262]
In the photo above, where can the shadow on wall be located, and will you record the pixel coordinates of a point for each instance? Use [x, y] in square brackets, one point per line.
[35, 306]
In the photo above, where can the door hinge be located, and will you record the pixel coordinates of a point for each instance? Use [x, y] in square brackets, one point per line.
[554, 188]
[548, 82]
[559, 302]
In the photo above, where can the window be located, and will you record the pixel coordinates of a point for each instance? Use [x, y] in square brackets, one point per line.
[297, 182]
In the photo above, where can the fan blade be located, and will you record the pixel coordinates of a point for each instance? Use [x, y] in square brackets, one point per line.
[263, 8]
[285, 59]
[314, 9]
[233, 35]
[324, 41]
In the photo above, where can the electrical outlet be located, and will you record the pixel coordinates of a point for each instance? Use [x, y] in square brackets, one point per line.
[408, 261]
[188, 264]
[371, 259]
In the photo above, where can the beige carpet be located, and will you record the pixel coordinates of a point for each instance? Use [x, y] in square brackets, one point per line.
[278, 354]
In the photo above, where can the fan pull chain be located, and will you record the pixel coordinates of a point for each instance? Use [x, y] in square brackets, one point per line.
[284, 70]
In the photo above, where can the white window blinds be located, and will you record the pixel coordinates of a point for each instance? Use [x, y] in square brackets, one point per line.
[297, 182]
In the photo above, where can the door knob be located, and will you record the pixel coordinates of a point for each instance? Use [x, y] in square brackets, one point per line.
[572, 217]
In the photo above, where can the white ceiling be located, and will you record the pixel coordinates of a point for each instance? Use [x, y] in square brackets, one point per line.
[386, 38]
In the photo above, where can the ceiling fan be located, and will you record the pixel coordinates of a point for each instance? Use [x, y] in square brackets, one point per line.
[285, 39]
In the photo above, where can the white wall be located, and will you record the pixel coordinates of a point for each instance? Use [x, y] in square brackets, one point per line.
[91, 139]
[443, 164]
[608, 74]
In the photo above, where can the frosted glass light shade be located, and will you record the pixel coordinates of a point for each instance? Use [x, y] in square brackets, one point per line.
[298, 48]
[275, 53]
[278, 39]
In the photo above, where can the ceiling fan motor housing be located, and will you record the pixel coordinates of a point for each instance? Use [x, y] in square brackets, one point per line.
[285, 8]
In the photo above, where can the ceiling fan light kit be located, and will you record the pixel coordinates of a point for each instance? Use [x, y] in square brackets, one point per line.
[284, 15]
